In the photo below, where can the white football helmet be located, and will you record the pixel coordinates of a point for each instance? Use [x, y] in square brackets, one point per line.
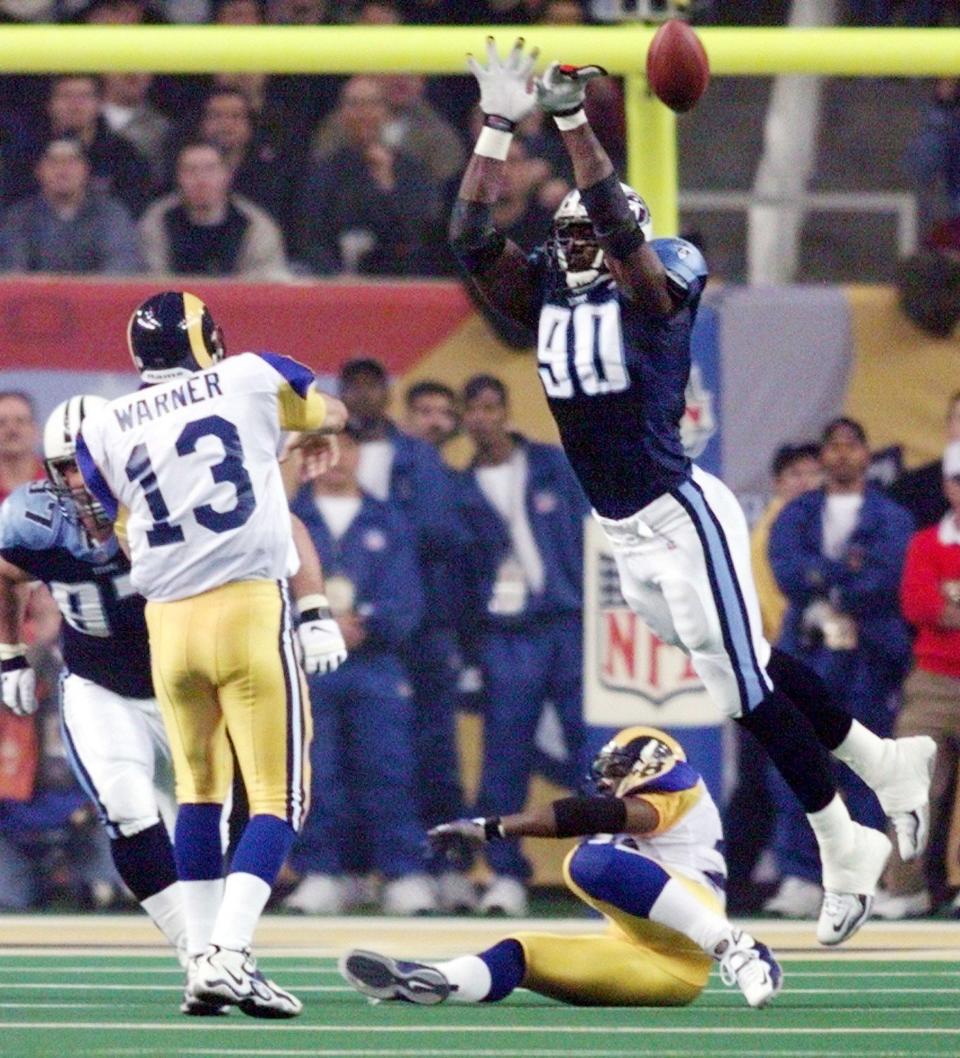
[60, 451]
[573, 244]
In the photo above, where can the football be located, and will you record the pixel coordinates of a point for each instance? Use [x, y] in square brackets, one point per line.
[677, 67]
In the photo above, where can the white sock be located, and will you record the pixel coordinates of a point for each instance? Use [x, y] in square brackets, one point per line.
[469, 978]
[865, 753]
[833, 829]
[244, 898]
[201, 902]
[679, 909]
[166, 910]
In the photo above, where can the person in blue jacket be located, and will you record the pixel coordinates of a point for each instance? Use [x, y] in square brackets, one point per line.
[363, 814]
[837, 553]
[525, 511]
[409, 472]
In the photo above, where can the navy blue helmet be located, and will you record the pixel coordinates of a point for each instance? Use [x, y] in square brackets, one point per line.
[171, 335]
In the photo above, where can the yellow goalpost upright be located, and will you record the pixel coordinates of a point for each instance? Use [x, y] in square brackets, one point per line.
[622, 49]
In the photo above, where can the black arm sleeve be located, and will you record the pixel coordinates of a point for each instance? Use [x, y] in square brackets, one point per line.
[617, 229]
[576, 816]
[473, 238]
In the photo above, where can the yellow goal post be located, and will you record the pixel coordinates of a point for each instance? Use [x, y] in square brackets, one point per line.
[622, 49]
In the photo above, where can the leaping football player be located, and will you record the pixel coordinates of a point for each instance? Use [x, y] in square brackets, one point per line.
[190, 462]
[656, 874]
[613, 310]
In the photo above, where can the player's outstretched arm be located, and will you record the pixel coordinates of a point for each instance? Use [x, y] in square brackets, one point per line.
[498, 266]
[565, 818]
[637, 270]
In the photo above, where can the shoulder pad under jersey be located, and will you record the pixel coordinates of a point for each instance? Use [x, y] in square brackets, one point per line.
[684, 263]
[31, 517]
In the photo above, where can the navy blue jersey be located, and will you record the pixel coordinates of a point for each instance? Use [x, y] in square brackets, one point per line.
[104, 634]
[615, 378]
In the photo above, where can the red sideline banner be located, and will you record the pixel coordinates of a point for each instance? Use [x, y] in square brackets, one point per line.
[80, 324]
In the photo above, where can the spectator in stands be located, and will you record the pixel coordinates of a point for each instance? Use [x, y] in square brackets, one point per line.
[116, 12]
[239, 12]
[524, 580]
[886, 12]
[256, 155]
[68, 227]
[117, 167]
[933, 156]
[795, 469]
[930, 597]
[298, 12]
[203, 228]
[368, 207]
[921, 490]
[837, 553]
[129, 114]
[363, 813]
[435, 661]
[19, 441]
[412, 126]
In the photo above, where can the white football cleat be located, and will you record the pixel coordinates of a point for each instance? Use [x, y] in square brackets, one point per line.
[904, 794]
[379, 977]
[849, 882]
[317, 894]
[750, 966]
[456, 893]
[194, 1007]
[227, 975]
[411, 894]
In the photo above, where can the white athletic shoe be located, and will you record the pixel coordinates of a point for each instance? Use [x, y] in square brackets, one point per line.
[317, 894]
[413, 894]
[226, 975]
[904, 793]
[795, 898]
[505, 896]
[379, 977]
[849, 882]
[194, 1007]
[909, 905]
[750, 966]
[456, 893]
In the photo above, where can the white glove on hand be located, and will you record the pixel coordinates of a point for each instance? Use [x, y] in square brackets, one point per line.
[561, 89]
[19, 684]
[323, 647]
[505, 88]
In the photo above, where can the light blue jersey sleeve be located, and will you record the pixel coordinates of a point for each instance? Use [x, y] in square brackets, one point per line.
[685, 266]
[30, 519]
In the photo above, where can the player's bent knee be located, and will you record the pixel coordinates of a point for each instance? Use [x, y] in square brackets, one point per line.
[130, 802]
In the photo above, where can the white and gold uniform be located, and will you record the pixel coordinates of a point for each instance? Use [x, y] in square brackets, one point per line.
[190, 468]
[637, 962]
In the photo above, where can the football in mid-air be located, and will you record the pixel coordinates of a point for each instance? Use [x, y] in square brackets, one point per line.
[677, 67]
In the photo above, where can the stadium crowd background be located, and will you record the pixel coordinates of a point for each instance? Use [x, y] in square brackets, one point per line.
[279, 178]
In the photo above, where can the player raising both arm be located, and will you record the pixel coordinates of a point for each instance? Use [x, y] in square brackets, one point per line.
[613, 312]
[192, 458]
[657, 876]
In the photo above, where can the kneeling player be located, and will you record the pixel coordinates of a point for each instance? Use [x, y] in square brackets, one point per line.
[657, 875]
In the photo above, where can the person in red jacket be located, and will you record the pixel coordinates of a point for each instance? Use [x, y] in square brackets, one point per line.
[930, 599]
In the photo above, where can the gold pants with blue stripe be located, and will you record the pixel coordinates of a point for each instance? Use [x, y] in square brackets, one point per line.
[225, 672]
[637, 963]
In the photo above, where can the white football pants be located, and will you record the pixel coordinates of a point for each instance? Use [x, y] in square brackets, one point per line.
[684, 565]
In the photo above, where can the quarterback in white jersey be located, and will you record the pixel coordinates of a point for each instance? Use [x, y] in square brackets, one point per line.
[187, 466]
[654, 869]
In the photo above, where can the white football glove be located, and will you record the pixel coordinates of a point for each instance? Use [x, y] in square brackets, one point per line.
[561, 88]
[505, 88]
[322, 643]
[19, 684]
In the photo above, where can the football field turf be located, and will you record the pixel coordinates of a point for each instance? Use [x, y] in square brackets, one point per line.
[104, 1000]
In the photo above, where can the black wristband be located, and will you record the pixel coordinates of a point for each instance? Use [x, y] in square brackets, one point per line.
[318, 613]
[569, 112]
[501, 124]
[576, 816]
[14, 664]
[493, 828]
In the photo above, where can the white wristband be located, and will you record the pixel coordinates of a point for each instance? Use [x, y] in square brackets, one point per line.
[313, 602]
[493, 143]
[566, 122]
[9, 651]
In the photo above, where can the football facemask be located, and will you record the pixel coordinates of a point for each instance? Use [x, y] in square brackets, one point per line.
[60, 456]
[632, 758]
[573, 244]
